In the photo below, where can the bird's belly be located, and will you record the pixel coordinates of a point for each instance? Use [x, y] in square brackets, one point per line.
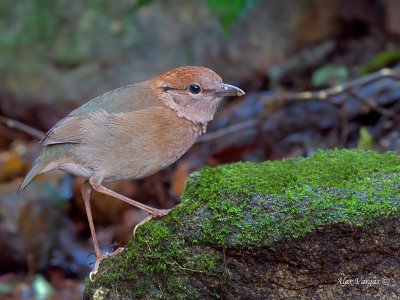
[136, 167]
[131, 162]
[75, 169]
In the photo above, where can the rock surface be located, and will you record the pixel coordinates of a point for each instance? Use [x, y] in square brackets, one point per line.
[322, 227]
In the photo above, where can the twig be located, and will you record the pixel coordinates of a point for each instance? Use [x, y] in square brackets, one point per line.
[14, 124]
[191, 270]
[227, 130]
[336, 90]
[373, 106]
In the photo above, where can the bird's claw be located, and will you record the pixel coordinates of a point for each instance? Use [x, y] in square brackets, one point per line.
[91, 275]
[99, 258]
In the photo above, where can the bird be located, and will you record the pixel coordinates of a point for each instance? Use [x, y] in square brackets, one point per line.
[130, 133]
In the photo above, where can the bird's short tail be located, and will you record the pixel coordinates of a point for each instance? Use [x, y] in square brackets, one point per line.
[35, 170]
[49, 154]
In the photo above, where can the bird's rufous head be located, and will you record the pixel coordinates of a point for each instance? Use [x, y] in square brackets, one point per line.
[194, 92]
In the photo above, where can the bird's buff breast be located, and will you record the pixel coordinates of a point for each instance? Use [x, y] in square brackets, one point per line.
[139, 150]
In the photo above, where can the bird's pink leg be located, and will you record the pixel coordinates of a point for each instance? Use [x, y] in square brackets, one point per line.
[154, 212]
[86, 189]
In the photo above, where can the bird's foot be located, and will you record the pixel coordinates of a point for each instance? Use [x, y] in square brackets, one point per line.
[100, 257]
[156, 213]
[160, 212]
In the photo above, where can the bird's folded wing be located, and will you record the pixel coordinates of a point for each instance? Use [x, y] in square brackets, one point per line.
[126, 99]
[76, 129]
[67, 130]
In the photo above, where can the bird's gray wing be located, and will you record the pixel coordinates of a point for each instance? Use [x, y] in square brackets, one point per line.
[65, 131]
[126, 99]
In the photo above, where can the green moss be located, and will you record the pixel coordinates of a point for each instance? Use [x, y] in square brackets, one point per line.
[297, 195]
[250, 205]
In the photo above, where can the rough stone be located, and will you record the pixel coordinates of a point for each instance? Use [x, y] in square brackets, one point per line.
[324, 227]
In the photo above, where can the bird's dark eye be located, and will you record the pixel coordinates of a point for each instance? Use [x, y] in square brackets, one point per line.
[194, 88]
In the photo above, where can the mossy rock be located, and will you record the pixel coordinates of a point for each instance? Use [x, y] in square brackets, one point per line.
[280, 229]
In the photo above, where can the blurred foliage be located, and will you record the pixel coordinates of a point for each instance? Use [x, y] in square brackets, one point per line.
[6, 287]
[329, 74]
[382, 60]
[41, 20]
[140, 3]
[229, 11]
[38, 27]
[41, 287]
[36, 288]
[41, 23]
[11, 165]
[366, 141]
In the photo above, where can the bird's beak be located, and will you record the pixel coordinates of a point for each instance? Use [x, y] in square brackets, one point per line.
[227, 90]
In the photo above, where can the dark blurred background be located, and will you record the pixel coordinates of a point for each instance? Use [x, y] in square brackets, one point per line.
[56, 55]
